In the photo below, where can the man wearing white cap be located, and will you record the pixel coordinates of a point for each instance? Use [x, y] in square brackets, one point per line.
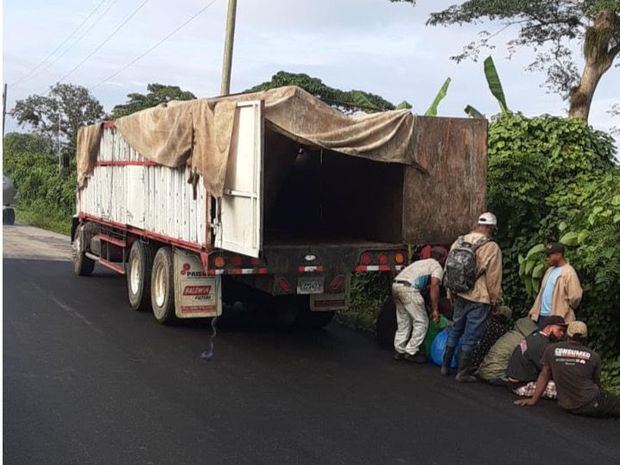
[576, 371]
[473, 274]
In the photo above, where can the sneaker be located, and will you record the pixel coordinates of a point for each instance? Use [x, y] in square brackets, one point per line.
[398, 356]
[417, 358]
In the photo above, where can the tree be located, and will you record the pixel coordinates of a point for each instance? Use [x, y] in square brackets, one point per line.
[349, 101]
[156, 94]
[28, 144]
[548, 27]
[63, 110]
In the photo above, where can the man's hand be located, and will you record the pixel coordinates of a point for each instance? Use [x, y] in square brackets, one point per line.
[525, 402]
[435, 315]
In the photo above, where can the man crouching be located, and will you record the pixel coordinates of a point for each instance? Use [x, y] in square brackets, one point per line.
[411, 316]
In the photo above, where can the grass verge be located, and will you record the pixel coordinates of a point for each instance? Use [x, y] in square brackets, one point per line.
[51, 221]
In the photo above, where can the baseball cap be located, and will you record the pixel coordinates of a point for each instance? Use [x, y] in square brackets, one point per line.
[554, 247]
[487, 218]
[577, 328]
[555, 320]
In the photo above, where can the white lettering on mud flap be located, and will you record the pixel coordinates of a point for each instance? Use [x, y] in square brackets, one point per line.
[196, 294]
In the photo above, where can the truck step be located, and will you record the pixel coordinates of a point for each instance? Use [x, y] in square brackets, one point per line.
[103, 262]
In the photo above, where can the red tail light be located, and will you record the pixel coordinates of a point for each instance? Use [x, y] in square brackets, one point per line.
[383, 259]
[236, 260]
[365, 259]
[399, 258]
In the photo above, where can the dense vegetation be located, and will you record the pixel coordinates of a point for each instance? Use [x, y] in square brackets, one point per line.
[553, 179]
[46, 198]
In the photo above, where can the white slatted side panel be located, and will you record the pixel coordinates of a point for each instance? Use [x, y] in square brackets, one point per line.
[154, 198]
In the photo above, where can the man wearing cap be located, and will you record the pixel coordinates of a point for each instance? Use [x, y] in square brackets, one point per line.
[411, 316]
[525, 362]
[576, 371]
[471, 308]
[560, 290]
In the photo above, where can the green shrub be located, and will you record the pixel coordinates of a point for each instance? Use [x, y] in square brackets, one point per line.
[553, 179]
[46, 198]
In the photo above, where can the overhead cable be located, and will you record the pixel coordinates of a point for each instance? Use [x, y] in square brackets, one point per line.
[75, 42]
[105, 41]
[49, 55]
[142, 55]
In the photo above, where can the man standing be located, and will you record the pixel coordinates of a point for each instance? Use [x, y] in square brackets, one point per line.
[560, 290]
[576, 371]
[474, 273]
[411, 316]
[525, 364]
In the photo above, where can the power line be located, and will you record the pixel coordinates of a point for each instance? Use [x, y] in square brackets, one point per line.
[105, 41]
[61, 44]
[139, 57]
[78, 40]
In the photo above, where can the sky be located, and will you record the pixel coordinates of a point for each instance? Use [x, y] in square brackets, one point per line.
[373, 45]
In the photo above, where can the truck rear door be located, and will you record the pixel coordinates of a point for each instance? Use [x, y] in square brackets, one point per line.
[241, 218]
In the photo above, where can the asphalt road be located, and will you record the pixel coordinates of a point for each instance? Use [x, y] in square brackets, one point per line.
[88, 381]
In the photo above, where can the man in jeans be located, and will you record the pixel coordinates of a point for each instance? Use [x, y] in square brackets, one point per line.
[472, 308]
[411, 316]
[576, 371]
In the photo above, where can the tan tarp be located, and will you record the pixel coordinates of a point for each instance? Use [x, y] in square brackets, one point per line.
[199, 132]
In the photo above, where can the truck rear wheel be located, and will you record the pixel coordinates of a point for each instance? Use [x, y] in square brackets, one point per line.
[162, 286]
[8, 216]
[138, 271]
[82, 265]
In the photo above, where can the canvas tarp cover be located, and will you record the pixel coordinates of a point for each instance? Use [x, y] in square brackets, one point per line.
[199, 132]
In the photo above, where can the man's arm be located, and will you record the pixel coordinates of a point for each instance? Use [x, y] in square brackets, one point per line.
[434, 291]
[541, 385]
[493, 274]
[574, 292]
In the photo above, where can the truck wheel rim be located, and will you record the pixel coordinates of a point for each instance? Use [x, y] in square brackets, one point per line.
[136, 275]
[160, 286]
[77, 245]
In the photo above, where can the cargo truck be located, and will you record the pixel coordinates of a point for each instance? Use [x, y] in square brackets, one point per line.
[274, 199]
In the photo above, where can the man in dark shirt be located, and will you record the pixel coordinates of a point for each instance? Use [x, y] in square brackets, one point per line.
[576, 371]
[525, 363]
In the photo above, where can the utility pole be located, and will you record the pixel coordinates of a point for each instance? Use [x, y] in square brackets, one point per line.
[4, 107]
[58, 141]
[228, 47]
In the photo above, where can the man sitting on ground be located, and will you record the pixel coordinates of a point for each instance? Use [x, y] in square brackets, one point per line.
[494, 364]
[411, 316]
[525, 362]
[576, 371]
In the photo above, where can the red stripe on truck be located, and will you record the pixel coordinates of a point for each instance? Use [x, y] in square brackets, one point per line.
[127, 163]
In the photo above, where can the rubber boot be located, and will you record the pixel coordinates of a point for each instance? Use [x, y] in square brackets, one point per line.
[447, 360]
[465, 371]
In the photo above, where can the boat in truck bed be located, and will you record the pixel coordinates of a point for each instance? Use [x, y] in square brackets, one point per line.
[268, 196]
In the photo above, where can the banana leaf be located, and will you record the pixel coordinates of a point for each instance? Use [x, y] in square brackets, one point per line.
[495, 85]
[432, 110]
[472, 112]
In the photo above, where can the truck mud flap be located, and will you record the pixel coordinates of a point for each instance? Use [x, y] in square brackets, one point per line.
[196, 295]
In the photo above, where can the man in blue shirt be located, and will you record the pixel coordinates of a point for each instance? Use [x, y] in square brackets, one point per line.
[560, 291]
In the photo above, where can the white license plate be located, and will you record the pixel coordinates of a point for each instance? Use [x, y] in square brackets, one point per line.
[310, 285]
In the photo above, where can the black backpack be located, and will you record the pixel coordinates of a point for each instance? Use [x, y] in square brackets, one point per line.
[460, 271]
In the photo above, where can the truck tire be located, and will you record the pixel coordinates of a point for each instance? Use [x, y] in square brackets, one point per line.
[8, 216]
[386, 324]
[162, 286]
[82, 265]
[138, 271]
